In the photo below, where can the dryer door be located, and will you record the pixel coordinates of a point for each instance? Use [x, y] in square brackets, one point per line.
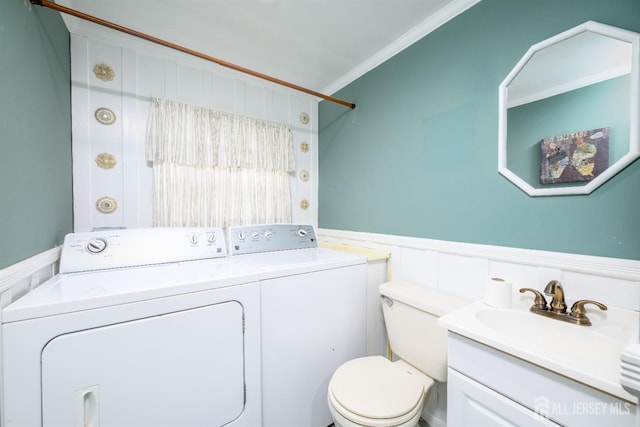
[178, 369]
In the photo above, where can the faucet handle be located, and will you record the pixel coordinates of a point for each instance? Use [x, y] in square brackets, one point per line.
[539, 303]
[579, 313]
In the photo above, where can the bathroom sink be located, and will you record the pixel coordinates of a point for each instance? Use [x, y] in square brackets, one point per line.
[587, 354]
[548, 335]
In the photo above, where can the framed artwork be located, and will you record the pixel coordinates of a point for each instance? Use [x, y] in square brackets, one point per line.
[574, 157]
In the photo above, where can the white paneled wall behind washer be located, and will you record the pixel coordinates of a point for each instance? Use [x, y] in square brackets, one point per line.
[142, 70]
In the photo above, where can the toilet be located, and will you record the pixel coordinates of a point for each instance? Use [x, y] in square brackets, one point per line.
[376, 392]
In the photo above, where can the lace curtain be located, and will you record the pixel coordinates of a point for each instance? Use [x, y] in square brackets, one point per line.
[217, 169]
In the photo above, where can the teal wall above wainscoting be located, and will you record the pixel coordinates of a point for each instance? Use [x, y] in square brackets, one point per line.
[418, 155]
[35, 130]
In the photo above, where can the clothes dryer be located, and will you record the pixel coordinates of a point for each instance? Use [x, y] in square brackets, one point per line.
[141, 327]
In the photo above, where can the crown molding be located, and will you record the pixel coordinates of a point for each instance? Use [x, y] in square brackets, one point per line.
[430, 24]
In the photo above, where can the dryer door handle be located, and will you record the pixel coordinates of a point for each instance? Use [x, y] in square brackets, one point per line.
[87, 407]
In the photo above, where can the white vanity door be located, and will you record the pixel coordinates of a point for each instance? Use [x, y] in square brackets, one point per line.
[179, 369]
[469, 403]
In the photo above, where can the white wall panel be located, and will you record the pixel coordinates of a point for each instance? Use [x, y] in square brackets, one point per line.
[144, 71]
[254, 102]
[105, 138]
[189, 85]
[278, 107]
[80, 125]
[463, 268]
[132, 152]
[224, 93]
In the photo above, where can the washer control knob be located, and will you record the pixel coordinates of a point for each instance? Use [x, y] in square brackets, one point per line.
[268, 234]
[194, 239]
[302, 233]
[96, 245]
[255, 235]
[241, 236]
[211, 237]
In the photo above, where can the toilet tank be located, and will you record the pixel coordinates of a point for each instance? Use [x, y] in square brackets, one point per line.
[411, 312]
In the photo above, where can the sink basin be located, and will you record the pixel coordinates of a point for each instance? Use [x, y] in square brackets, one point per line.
[548, 335]
[587, 354]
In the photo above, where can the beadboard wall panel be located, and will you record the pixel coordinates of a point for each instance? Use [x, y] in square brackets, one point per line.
[144, 71]
[463, 268]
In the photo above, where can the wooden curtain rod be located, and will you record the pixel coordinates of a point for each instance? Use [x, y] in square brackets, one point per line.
[78, 14]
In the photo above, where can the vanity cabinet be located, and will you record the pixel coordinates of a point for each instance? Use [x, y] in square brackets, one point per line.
[487, 387]
[471, 403]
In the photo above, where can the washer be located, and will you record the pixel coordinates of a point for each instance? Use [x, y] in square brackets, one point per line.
[141, 327]
[313, 317]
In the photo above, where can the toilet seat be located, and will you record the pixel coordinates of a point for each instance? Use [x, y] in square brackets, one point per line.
[375, 391]
[344, 418]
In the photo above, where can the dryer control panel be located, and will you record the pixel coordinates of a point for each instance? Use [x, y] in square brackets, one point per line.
[120, 248]
[250, 239]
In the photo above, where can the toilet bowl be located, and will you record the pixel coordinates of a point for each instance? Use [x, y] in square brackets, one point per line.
[376, 392]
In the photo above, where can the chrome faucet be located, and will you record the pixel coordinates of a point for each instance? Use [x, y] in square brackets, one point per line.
[558, 307]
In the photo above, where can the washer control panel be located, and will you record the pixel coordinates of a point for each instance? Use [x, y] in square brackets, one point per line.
[249, 239]
[119, 248]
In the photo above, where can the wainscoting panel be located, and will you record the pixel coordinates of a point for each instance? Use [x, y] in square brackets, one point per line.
[463, 268]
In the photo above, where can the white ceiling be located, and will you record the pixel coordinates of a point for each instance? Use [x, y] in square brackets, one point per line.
[319, 44]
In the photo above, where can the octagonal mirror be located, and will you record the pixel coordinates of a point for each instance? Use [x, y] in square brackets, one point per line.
[569, 110]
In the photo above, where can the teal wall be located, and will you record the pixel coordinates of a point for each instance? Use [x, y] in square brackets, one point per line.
[418, 155]
[35, 130]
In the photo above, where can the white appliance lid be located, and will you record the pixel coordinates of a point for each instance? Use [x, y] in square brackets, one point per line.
[67, 293]
[271, 265]
[374, 387]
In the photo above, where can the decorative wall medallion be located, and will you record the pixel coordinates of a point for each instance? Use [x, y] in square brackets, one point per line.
[106, 205]
[304, 118]
[106, 160]
[104, 72]
[304, 176]
[304, 146]
[304, 204]
[105, 116]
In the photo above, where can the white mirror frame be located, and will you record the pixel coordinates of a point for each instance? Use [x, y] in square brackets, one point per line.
[634, 111]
